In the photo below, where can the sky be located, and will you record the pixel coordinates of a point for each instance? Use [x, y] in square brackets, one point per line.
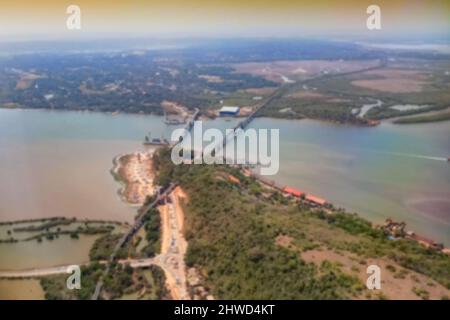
[266, 18]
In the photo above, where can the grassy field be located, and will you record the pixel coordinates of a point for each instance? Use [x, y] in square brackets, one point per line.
[423, 83]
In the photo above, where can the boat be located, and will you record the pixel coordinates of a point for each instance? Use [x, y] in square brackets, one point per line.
[155, 141]
[174, 122]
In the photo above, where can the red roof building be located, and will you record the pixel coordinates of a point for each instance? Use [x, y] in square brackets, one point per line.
[292, 191]
[315, 199]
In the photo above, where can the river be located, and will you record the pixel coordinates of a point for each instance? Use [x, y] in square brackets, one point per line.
[56, 163]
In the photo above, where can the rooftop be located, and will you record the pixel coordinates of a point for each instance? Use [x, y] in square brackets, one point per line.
[229, 109]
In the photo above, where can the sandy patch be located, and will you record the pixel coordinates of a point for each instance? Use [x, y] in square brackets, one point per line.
[245, 111]
[212, 79]
[171, 107]
[165, 227]
[180, 195]
[135, 170]
[171, 285]
[174, 245]
[284, 241]
[26, 80]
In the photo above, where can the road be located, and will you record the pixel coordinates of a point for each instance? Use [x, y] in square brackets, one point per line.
[171, 263]
[174, 247]
[43, 272]
[139, 221]
[171, 259]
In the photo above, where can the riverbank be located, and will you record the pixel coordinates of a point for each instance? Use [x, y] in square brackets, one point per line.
[266, 241]
[315, 202]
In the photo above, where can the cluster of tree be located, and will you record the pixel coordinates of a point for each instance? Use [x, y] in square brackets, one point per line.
[122, 82]
[103, 247]
[233, 241]
[152, 228]
[296, 108]
[118, 280]
[55, 287]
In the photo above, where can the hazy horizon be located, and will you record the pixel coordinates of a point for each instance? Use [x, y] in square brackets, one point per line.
[25, 20]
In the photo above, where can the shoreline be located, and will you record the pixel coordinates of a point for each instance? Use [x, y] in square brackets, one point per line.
[109, 113]
[330, 207]
[115, 174]
[116, 162]
[74, 219]
[204, 116]
[134, 176]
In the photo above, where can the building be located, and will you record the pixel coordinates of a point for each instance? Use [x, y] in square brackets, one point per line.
[293, 192]
[229, 111]
[315, 200]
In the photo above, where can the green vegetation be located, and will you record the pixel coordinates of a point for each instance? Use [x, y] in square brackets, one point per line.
[422, 293]
[386, 112]
[52, 228]
[16, 222]
[119, 280]
[441, 116]
[122, 280]
[202, 76]
[291, 108]
[141, 284]
[73, 234]
[233, 240]
[45, 225]
[159, 282]
[103, 247]
[152, 228]
[332, 98]
[123, 82]
[55, 287]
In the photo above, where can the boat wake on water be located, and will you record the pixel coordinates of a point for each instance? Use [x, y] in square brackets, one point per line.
[417, 156]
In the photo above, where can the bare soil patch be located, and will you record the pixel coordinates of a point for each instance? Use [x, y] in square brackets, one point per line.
[396, 282]
[394, 80]
[165, 229]
[300, 69]
[284, 241]
[307, 94]
[26, 80]
[260, 91]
